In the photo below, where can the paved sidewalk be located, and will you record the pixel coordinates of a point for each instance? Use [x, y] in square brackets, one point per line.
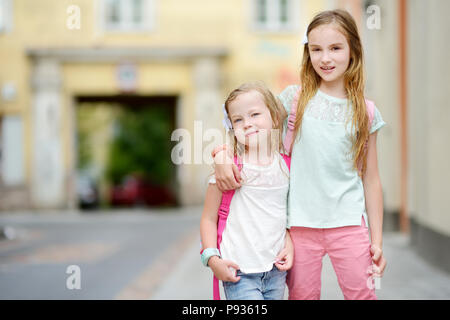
[155, 255]
[407, 276]
[120, 254]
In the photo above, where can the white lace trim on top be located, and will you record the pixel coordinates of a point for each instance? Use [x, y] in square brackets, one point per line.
[323, 107]
[274, 175]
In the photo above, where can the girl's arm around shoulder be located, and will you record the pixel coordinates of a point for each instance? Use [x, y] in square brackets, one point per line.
[226, 172]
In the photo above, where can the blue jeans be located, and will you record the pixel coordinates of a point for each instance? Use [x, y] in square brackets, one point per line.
[268, 285]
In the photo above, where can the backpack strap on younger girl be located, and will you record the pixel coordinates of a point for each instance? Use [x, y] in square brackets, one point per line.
[287, 159]
[223, 212]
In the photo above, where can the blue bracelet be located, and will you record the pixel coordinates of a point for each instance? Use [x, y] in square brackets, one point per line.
[208, 253]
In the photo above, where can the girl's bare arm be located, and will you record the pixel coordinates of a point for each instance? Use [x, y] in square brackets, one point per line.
[208, 234]
[208, 221]
[373, 192]
[374, 203]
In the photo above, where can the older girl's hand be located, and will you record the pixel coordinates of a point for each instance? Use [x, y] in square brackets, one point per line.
[378, 261]
[227, 173]
[285, 258]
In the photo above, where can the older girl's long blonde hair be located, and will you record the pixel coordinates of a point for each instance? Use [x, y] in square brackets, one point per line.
[353, 82]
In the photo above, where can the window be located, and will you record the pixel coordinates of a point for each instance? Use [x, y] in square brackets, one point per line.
[128, 15]
[5, 15]
[275, 15]
[11, 148]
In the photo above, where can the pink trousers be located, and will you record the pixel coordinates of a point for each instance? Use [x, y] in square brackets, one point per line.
[349, 252]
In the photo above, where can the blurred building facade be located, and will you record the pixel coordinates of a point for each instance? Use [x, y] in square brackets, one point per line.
[405, 61]
[196, 51]
[53, 52]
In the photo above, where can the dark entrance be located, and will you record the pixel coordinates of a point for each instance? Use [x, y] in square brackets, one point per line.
[124, 150]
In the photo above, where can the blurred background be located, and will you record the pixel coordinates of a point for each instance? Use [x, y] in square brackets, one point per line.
[92, 90]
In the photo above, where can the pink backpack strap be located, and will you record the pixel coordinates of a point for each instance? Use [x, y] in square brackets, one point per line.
[223, 211]
[289, 138]
[287, 159]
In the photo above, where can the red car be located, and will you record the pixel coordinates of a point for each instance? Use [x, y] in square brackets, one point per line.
[136, 191]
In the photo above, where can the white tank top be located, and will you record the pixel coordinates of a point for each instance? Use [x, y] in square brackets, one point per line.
[256, 226]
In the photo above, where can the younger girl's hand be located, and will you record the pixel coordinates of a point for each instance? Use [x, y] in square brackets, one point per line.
[221, 269]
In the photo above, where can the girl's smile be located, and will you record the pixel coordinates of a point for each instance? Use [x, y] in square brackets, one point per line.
[251, 133]
[327, 70]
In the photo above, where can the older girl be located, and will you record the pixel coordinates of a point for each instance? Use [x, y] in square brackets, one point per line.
[335, 189]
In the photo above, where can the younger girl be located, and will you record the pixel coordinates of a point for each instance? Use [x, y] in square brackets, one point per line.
[335, 189]
[255, 242]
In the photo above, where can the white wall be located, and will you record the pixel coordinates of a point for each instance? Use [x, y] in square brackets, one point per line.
[429, 113]
[380, 47]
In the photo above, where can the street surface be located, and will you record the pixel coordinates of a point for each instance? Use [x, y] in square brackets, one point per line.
[154, 254]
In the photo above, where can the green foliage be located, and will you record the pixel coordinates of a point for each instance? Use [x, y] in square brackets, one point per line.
[141, 145]
[84, 154]
[83, 133]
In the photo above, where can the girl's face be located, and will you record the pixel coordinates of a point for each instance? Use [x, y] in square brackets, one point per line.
[329, 52]
[250, 118]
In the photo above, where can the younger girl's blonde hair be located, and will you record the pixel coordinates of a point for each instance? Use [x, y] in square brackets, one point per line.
[353, 81]
[277, 112]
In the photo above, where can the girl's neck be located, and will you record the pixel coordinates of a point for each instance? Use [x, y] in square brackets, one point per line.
[334, 88]
[256, 157]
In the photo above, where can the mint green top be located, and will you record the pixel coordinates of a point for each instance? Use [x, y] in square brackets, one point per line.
[325, 191]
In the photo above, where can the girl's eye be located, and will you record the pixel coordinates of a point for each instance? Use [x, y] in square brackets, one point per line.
[316, 49]
[255, 114]
[336, 48]
[236, 120]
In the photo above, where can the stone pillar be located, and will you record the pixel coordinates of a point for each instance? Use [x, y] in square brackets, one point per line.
[47, 173]
[208, 110]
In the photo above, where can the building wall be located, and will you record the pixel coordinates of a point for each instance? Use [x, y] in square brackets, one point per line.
[177, 25]
[248, 54]
[427, 116]
[381, 50]
[429, 98]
